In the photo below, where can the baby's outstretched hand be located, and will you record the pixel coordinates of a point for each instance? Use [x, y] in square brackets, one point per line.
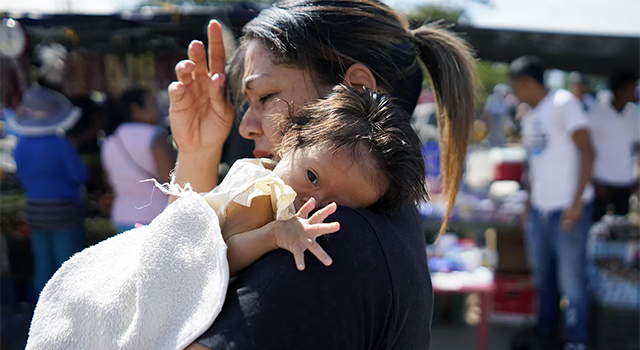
[300, 232]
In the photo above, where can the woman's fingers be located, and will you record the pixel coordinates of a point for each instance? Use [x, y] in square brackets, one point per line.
[307, 208]
[216, 47]
[323, 213]
[217, 95]
[184, 69]
[198, 56]
[179, 97]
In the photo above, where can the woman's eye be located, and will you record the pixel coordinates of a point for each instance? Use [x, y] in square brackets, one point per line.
[312, 177]
[265, 98]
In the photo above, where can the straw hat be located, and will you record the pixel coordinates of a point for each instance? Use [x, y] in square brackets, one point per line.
[44, 111]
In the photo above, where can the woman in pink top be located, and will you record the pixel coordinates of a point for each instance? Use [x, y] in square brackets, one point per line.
[137, 150]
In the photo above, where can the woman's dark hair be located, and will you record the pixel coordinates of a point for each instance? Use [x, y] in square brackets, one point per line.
[134, 95]
[328, 36]
[374, 129]
[527, 66]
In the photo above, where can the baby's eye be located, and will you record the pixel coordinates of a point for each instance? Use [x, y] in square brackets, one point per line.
[312, 177]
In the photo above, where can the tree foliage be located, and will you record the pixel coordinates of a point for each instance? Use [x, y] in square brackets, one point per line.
[432, 13]
[489, 75]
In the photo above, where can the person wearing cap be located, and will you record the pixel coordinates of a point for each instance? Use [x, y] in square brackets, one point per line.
[50, 170]
[615, 127]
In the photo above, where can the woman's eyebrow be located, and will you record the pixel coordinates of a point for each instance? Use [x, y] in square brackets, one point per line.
[248, 81]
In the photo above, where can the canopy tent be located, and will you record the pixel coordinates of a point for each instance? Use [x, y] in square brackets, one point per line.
[159, 29]
[155, 29]
[587, 53]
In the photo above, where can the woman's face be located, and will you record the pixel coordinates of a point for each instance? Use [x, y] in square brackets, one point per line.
[268, 88]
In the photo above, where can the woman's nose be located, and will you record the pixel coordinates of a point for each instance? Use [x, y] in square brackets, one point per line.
[250, 126]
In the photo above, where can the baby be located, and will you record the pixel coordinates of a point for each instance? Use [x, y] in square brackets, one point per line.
[162, 285]
[353, 149]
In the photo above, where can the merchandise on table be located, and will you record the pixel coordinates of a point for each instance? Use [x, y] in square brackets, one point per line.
[615, 284]
[615, 228]
[503, 204]
[451, 254]
[613, 252]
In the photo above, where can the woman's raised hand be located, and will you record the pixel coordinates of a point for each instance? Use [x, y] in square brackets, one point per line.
[201, 114]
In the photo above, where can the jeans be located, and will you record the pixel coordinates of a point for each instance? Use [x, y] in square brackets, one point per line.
[559, 258]
[50, 249]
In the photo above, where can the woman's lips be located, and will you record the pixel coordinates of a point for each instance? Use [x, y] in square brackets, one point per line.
[261, 154]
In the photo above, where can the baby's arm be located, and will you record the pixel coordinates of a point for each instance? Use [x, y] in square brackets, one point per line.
[250, 234]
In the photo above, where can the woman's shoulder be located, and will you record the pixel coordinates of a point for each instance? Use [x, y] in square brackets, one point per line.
[405, 216]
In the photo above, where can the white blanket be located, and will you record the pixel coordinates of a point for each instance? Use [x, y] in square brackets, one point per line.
[155, 287]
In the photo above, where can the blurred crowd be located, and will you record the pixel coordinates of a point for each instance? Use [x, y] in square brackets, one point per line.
[59, 149]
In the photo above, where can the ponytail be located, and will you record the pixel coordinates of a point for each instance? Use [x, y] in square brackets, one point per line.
[450, 65]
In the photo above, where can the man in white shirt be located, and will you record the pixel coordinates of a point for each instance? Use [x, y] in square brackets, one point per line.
[615, 127]
[555, 133]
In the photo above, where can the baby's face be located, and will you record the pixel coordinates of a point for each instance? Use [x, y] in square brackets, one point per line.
[328, 176]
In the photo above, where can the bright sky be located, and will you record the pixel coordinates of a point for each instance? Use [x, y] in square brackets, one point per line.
[583, 16]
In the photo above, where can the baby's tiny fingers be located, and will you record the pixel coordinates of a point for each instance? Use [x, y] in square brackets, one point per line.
[307, 208]
[319, 253]
[323, 213]
[298, 256]
[323, 229]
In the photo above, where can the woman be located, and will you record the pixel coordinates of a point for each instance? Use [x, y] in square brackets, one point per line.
[49, 168]
[377, 293]
[137, 150]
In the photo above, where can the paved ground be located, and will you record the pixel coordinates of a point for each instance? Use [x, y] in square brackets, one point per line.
[450, 337]
[447, 336]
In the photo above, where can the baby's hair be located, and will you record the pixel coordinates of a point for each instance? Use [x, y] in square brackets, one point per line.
[375, 129]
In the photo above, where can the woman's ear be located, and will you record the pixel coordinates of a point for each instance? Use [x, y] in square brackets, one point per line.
[358, 76]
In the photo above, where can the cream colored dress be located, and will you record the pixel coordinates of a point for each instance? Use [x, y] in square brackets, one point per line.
[248, 179]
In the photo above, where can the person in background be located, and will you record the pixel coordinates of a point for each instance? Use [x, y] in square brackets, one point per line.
[616, 135]
[49, 168]
[579, 87]
[138, 149]
[499, 107]
[560, 157]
